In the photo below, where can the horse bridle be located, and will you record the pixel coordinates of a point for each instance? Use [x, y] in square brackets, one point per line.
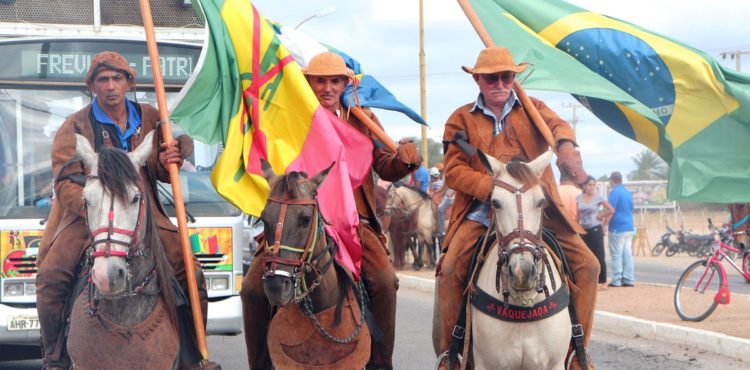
[131, 253]
[527, 241]
[306, 263]
[134, 234]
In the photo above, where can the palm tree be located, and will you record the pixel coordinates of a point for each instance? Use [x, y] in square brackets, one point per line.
[648, 166]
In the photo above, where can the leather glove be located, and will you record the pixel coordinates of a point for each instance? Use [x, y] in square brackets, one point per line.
[408, 153]
[569, 161]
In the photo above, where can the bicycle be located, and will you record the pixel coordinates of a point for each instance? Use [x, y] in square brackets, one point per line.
[703, 285]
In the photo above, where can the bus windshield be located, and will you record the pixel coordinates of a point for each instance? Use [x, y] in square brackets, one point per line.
[29, 119]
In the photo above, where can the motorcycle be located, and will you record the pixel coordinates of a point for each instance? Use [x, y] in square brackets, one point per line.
[667, 240]
[693, 244]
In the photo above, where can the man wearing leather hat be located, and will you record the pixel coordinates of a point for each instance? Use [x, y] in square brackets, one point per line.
[111, 120]
[498, 124]
[328, 75]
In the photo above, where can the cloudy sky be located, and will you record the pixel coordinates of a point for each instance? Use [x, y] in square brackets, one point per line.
[383, 36]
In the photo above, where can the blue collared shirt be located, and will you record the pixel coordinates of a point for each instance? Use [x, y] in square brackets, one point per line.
[480, 211]
[134, 121]
[621, 200]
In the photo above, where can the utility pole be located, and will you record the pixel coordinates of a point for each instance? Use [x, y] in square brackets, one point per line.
[574, 120]
[422, 86]
[737, 56]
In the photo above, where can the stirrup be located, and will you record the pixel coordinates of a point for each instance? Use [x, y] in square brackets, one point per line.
[444, 356]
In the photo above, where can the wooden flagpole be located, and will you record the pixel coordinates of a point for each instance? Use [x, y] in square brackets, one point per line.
[374, 128]
[174, 177]
[525, 100]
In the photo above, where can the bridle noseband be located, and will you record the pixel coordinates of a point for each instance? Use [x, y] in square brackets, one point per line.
[306, 263]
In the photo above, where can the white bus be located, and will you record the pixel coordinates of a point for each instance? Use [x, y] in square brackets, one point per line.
[40, 85]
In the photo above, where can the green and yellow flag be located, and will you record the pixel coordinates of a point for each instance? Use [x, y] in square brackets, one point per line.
[670, 97]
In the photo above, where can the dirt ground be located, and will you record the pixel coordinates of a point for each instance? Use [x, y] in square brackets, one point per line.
[655, 303]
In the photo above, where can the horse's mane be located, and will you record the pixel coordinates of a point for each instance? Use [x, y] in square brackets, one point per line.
[163, 268]
[521, 172]
[116, 172]
[288, 185]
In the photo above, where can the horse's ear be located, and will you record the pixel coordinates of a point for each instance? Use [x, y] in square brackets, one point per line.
[85, 152]
[140, 154]
[268, 173]
[492, 165]
[320, 176]
[541, 162]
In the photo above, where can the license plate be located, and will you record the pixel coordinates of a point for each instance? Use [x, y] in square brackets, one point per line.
[23, 323]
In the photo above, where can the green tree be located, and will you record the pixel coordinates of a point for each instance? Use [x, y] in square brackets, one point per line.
[648, 166]
[434, 150]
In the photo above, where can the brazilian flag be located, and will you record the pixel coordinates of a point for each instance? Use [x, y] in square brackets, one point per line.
[672, 98]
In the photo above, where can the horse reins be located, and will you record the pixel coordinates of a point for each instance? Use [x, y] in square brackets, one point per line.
[533, 245]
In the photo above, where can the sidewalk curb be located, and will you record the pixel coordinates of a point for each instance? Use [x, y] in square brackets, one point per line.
[737, 348]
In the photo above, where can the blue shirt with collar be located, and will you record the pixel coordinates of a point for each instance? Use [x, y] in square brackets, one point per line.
[421, 175]
[622, 201]
[480, 210]
[134, 121]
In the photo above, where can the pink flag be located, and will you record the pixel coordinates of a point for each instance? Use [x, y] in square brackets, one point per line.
[329, 140]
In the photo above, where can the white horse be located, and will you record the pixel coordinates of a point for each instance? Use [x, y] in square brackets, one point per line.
[125, 315]
[411, 201]
[517, 278]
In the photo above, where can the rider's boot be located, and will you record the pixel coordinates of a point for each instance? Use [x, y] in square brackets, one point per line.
[189, 352]
[382, 284]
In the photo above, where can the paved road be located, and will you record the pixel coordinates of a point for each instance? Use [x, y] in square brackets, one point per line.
[667, 270]
[414, 347]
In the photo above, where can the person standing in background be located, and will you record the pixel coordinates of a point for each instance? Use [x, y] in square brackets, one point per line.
[594, 222]
[621, 231]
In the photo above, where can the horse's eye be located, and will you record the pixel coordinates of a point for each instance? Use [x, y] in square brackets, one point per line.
[541, 203]
[136, 198]
[496, 204]
[305, 220]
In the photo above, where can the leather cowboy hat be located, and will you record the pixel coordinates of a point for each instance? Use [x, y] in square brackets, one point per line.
[495, 59]
[109, 60]
[327, 64]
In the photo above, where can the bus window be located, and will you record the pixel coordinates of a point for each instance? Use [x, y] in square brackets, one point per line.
[29, 120]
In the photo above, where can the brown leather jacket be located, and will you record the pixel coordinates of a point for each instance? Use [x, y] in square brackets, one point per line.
[66, 225]
[519, 138]
[386, 164]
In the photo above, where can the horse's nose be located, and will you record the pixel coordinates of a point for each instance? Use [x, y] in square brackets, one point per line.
[117, 277]
[279, 290]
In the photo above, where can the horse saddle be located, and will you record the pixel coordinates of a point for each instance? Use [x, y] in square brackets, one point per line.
[94, 341]
[294, 342]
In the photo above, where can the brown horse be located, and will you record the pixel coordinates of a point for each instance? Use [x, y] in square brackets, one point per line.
[125, 317]
[418, 205]
[395, 224]
[319, 322]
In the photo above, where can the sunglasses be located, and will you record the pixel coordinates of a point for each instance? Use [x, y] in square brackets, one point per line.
[507, 77]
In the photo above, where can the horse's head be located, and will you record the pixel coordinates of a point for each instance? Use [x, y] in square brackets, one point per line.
[517, 202]
[392, 200]
[293, 228]
[115, 210]
[740, 224]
